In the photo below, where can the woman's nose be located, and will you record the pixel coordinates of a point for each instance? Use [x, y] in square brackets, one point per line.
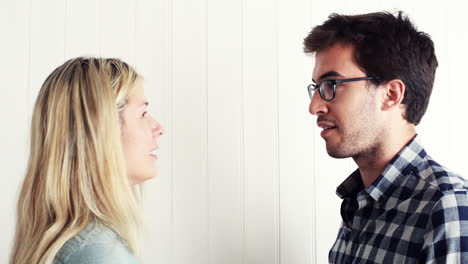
[157, 128]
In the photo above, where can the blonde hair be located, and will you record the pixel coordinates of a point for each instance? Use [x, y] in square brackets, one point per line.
[76, 172]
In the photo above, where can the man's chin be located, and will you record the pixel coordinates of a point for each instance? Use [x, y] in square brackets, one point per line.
[336, 153]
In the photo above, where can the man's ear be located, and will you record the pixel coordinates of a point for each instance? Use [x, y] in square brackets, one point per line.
[394, 94]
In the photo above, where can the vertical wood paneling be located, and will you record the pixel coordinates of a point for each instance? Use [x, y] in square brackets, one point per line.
[47, 43]
[276, 131]
[242, 133]
[260, 130]
[244, 175]
[116, 28]
[328, 172]
[188, 131]
[295, 135]
[81, 34]
[403, 5]
[435, 122]
[171, 114]
[151, 60]
[204, 151]
[362, 6]
[224, 122]
[454, 86]
[14, 51]
[133, 30]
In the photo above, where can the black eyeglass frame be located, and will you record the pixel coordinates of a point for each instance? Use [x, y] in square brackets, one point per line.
[312, 87]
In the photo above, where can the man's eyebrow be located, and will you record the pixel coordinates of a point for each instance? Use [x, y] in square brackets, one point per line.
[328, 74]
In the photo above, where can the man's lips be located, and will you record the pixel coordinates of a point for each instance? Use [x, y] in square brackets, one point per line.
[326, 124]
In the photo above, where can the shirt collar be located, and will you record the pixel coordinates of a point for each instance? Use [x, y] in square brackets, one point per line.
[401, 165]
[351, 186]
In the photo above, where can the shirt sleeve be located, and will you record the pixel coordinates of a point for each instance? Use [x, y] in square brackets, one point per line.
[446, 237]
[102, 254]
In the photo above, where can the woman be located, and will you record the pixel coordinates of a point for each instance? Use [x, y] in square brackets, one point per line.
[92, 142]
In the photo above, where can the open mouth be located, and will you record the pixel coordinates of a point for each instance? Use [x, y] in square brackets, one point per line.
[326, 131]
[154, 154]
[327, 126]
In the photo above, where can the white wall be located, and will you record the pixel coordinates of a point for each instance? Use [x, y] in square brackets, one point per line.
[244, 174]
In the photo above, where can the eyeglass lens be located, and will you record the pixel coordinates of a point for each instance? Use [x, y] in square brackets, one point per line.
[326, 90]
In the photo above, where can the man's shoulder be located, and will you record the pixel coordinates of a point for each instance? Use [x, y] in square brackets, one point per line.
[441, 179]
[444, 239]
[95, 244]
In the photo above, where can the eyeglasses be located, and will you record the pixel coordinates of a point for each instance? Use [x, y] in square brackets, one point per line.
[327, 88]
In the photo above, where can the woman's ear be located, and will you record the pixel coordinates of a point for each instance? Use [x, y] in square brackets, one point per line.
[394, 94]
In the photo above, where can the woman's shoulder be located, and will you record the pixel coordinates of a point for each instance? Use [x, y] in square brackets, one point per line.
[96, 244]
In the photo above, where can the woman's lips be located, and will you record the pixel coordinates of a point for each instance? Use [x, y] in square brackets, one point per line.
[153, 153]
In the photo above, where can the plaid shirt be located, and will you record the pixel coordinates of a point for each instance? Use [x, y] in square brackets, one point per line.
[415, 212]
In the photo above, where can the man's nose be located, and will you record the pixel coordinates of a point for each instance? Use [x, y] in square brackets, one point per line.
[317, 105]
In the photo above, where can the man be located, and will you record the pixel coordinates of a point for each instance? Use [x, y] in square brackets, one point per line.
[372, 81]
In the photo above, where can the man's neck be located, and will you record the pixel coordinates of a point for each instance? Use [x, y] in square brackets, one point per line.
[372, 164]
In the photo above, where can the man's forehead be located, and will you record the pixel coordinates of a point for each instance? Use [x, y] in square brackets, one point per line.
[335, 61]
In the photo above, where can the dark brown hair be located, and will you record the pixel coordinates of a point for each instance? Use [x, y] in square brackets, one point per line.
[386, 46]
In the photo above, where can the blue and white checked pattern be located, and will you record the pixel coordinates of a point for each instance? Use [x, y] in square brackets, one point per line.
[415, 212]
